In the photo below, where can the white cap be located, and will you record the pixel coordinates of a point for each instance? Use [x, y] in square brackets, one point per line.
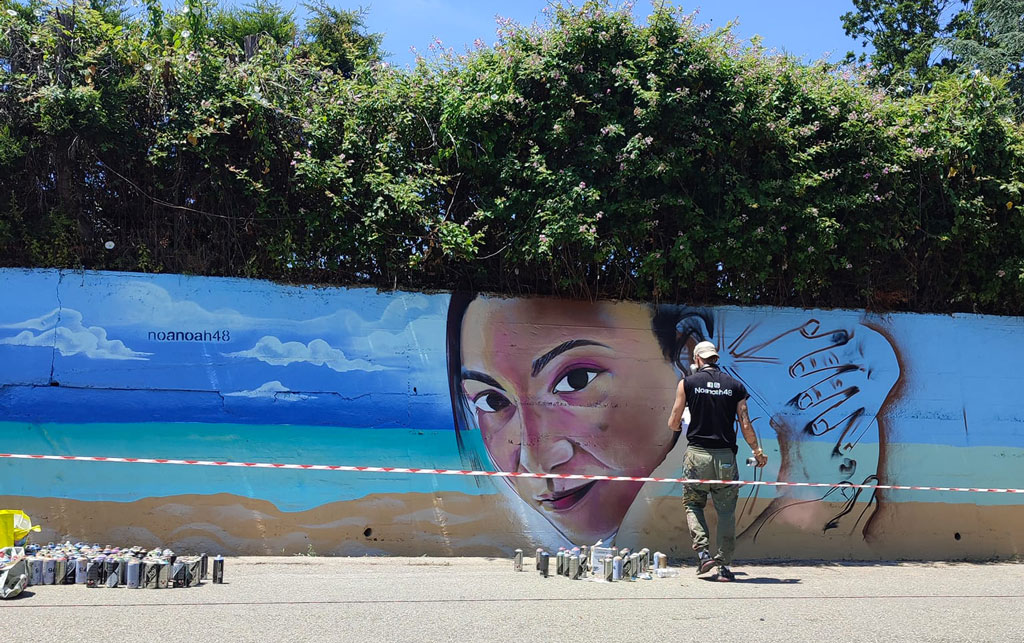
[704, 350]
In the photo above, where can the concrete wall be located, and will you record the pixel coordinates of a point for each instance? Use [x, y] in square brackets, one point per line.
[170, 366]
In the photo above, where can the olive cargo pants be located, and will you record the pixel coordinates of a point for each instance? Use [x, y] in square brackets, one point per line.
[711, 464]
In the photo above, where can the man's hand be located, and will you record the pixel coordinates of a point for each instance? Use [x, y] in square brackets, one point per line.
[761, 458]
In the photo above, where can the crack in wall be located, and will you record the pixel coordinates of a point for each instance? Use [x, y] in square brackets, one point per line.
[60, 310]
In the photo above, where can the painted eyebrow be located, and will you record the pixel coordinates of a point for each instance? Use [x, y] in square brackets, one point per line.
[482, 377]
[542, 361]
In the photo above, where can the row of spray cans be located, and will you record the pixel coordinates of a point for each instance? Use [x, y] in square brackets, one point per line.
[135, 568]
[605, 563]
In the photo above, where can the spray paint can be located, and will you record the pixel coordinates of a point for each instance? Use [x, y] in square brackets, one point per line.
[193, 571]
[148, 575]
[163, 575]
[627, 567]
[607, 569]
[101, 569]
[49, 571]
[178, 574]
[122, 570]
[574, 567]
[517, 561]
[35, 568]
[70, 568]
[218, 570]
[560, 563]
[92, 573]
[60, 570]
[634, 566]
[661, 560]
[134, 569]
[536, 561]
[112, 571]
[645, 560]
[544, 564]
[617, 568]
[204, 565]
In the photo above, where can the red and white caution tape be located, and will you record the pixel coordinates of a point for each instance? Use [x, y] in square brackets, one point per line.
[493, 474]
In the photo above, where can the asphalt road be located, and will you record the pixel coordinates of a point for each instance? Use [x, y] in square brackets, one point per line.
[476, 599]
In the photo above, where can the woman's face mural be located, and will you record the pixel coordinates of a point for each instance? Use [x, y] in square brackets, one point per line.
[557, 386]
[568, 387]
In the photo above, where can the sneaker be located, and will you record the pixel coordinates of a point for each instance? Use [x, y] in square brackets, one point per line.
[705, 563]
[724, 575]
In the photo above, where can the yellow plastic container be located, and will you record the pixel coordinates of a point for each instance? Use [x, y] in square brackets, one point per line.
[6, 530]
[21, 525]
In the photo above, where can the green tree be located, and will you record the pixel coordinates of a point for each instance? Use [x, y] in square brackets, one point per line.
[998, 47]
[903, 35]
[337, 38]
[259, 18]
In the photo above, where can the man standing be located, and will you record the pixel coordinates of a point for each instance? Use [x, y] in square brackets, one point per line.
[716, 400]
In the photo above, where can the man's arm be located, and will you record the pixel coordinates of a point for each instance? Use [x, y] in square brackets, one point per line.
[748, 433]
[676, 418]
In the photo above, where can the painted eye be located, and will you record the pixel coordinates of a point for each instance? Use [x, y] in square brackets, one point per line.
[491, 402]
[576, 380]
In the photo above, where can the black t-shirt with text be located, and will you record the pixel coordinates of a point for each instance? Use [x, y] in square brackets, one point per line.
[713, 397]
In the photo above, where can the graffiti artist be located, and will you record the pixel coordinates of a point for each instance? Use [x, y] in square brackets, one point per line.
[716, 400]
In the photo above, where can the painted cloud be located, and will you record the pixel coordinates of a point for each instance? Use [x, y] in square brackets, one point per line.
[274, 390]
[63, 329]
[272, 350]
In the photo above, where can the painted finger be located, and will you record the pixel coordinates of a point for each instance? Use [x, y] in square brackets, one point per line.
[823, 391]
[842, 418]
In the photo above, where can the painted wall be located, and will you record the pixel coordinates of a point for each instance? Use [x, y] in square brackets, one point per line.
[225, 369]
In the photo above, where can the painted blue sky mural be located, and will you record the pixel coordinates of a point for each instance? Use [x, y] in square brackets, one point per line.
[277, 355]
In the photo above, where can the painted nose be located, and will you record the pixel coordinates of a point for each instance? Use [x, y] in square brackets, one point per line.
[544, 445]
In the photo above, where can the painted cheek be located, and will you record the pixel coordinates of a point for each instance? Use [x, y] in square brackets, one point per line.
[500, 439]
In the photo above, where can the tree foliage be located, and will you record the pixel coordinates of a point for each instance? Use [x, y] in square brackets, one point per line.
[998, 46]
[916, 42]
[591, 156]
[903, 35]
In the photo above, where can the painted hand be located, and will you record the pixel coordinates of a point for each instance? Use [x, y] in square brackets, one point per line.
[812, 379]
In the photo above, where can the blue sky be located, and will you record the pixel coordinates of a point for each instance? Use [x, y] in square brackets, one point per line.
[804, 28]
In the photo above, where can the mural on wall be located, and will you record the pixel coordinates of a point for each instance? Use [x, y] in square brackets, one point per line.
[225, 369]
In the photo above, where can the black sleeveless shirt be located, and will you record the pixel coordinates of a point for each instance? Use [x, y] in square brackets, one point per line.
[713, 397]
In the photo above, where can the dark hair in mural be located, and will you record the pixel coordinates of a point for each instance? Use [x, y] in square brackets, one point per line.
[673, 325]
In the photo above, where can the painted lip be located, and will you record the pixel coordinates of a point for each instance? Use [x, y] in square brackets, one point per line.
[566, 499]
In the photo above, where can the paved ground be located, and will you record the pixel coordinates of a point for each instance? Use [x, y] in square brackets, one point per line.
[475, 599]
